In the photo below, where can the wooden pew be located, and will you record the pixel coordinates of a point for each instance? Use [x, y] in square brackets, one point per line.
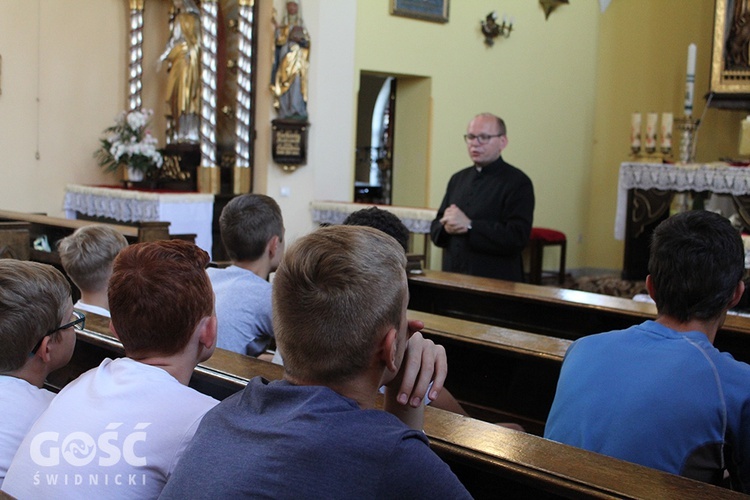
[556, 312]
[56, 228]
[491, 461]
[14, 240]
[498, 374]
[139, 232]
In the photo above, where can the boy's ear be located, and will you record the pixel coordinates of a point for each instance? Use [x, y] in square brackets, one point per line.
[112, 329]
[44, 349]
[209, 331]
[650, 287]
[389, 349]
[273, 246]
[737, 296]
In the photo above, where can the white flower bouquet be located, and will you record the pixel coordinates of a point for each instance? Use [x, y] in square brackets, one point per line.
[129, 143]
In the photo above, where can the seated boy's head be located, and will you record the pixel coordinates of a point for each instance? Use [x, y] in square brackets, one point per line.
[158, 294]
[335, 294]
[34, 301]
[87, 255]
[696, 262]
[383, 220]
[248, 223]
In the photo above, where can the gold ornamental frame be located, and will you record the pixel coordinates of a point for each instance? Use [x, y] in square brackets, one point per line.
[730, 58]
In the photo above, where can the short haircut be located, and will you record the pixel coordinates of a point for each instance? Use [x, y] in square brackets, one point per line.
[247, 223]
[696, 261]
[34, 299]
[88, 253]
[501, 128]
[382, 220]
[335, 292]
[158, 293]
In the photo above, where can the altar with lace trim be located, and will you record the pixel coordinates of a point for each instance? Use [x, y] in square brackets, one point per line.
[187, 213]
[644, 196]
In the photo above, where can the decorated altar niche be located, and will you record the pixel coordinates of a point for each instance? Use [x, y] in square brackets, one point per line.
[208, 66]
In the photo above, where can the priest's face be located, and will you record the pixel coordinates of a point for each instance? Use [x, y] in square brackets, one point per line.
[486, 146]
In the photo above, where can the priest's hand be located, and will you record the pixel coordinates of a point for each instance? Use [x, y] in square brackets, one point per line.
[455, 221]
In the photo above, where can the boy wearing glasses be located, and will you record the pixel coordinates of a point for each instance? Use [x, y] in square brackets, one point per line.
[118, 430]
[484, 221]
[36, 333]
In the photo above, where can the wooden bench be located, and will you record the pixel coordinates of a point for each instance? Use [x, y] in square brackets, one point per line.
[556, 312]
[56, 228]
[498, 374]
[490, 460]
[14, 240]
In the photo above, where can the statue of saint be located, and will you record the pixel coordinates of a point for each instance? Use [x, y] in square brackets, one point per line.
[184, 77]
[291, 61]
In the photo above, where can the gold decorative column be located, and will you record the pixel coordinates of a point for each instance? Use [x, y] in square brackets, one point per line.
[242, 168]
[209, 178]
[135, 55]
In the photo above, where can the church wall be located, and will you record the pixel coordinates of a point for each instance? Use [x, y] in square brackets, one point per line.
[79, 82]
[642, 58]
[540, 80]
[329, 173]
[566, 87]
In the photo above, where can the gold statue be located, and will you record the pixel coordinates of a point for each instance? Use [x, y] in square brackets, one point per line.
[183, 77]
[291, 61]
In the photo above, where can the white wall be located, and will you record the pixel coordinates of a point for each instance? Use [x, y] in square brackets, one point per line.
[329, 173]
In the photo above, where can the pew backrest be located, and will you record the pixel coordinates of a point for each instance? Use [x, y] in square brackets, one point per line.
[14, 240]
[546, 310]
[491, 461]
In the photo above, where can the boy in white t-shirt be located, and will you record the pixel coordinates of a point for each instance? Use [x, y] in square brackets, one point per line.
[36, 338]
[87, 257]
[119, 429]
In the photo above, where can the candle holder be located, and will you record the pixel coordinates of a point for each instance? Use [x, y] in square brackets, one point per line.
[687, 127]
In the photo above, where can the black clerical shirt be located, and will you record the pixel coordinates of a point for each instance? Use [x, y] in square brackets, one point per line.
[499, 200]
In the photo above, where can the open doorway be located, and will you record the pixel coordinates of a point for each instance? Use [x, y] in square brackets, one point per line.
[392, 148]
[375, 125]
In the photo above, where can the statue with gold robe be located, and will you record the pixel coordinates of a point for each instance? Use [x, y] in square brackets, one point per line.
[291, 63]
[184, 77]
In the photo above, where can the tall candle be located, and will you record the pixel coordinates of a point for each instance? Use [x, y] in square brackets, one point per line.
[690, 80]
[635, 132]
[666, 132]
[651, 119]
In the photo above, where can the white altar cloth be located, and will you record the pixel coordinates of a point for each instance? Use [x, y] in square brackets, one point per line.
[715, 177]
[187, 213]
[416, 220]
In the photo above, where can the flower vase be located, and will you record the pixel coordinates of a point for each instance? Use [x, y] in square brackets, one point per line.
[134, 175]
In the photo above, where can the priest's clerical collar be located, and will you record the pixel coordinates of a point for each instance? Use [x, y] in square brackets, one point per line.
[479, 169]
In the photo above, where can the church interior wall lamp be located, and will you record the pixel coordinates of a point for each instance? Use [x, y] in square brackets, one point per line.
[491, 29]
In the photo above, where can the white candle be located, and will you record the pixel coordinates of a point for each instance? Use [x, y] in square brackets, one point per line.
[666, 132]
[690, 80]
[651, 119]
[635, 132]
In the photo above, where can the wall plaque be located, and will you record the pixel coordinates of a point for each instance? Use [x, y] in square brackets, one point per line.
[289, 143]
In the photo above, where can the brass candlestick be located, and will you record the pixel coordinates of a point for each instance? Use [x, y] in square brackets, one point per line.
[687, 127]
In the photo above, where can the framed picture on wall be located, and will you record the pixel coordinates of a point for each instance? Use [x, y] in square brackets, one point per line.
[730, 60]
[428, 10]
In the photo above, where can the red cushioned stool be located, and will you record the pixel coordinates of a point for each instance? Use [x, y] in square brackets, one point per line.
[540, 238]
